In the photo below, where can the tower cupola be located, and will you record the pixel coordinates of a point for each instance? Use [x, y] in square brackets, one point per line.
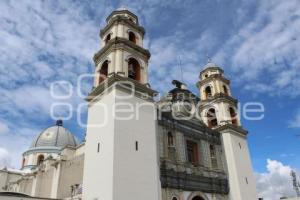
[119, 143]
[213, 82]
[123, 12]
[218, 105]
[219, 110]
[122, 51]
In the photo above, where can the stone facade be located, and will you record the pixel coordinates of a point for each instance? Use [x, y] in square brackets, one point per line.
[54, 178]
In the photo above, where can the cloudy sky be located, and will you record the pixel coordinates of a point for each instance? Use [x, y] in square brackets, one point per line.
[255, 42]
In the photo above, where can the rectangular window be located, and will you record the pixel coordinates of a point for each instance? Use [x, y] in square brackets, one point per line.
[98, 148]
[136, 145]
[192, 152]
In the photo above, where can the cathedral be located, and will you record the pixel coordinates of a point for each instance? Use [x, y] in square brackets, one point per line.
[181, 147]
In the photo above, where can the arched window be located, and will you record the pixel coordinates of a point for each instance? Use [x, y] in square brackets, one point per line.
[170, 139]
[208, 93]
[108, 37]
[23, 162]
[225, 89]
[233, 116]
[213, 156]
[103, 72]
[174, 198]
[134, 69]
[211, 118]
[132, 37]
[40, 159]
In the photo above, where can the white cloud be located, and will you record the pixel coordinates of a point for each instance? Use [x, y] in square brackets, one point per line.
[3, 128]
[5, 159]
[276, 182]
[264, 51]
[44, 42]
[295, 123]
[27, 99]
[15, 143]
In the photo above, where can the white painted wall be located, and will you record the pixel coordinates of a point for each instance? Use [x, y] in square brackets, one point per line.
[98, 167]
[136, 172]
[239, 166]
[119, 172]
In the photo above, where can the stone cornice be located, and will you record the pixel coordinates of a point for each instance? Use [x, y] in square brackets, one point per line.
[141, 89]
[115, 12]
[191, 129]
[43, 150]
[24, 197]
[212, 78]
[120, 43]
[211, 68]
[220, 97]
[123, 20]
[191, 182]
[238, 130]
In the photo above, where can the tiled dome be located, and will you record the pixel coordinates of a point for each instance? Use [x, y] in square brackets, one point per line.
[55, 136]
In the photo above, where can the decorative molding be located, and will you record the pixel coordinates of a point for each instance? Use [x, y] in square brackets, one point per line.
[238, 130]
[139, 88]
[137, 59]
[211, 68]
[190, 129]
[43, 150]
[116, 43]
[219, 97]
[191, 182]
[122, 20]
[116, 12]
[213, 77]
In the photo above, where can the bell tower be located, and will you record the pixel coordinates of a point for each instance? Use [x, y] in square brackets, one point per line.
[219, 111]
[122, 50]
[121, 159]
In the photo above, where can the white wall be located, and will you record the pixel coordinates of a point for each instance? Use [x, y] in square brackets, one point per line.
[98, 167]
[136, 174]
[119, 172]
[239, 167]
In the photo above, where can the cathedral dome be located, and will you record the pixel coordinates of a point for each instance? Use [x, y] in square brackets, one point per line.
[55, 136]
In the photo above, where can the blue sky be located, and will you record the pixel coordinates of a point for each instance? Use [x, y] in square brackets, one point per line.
[255, 42]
